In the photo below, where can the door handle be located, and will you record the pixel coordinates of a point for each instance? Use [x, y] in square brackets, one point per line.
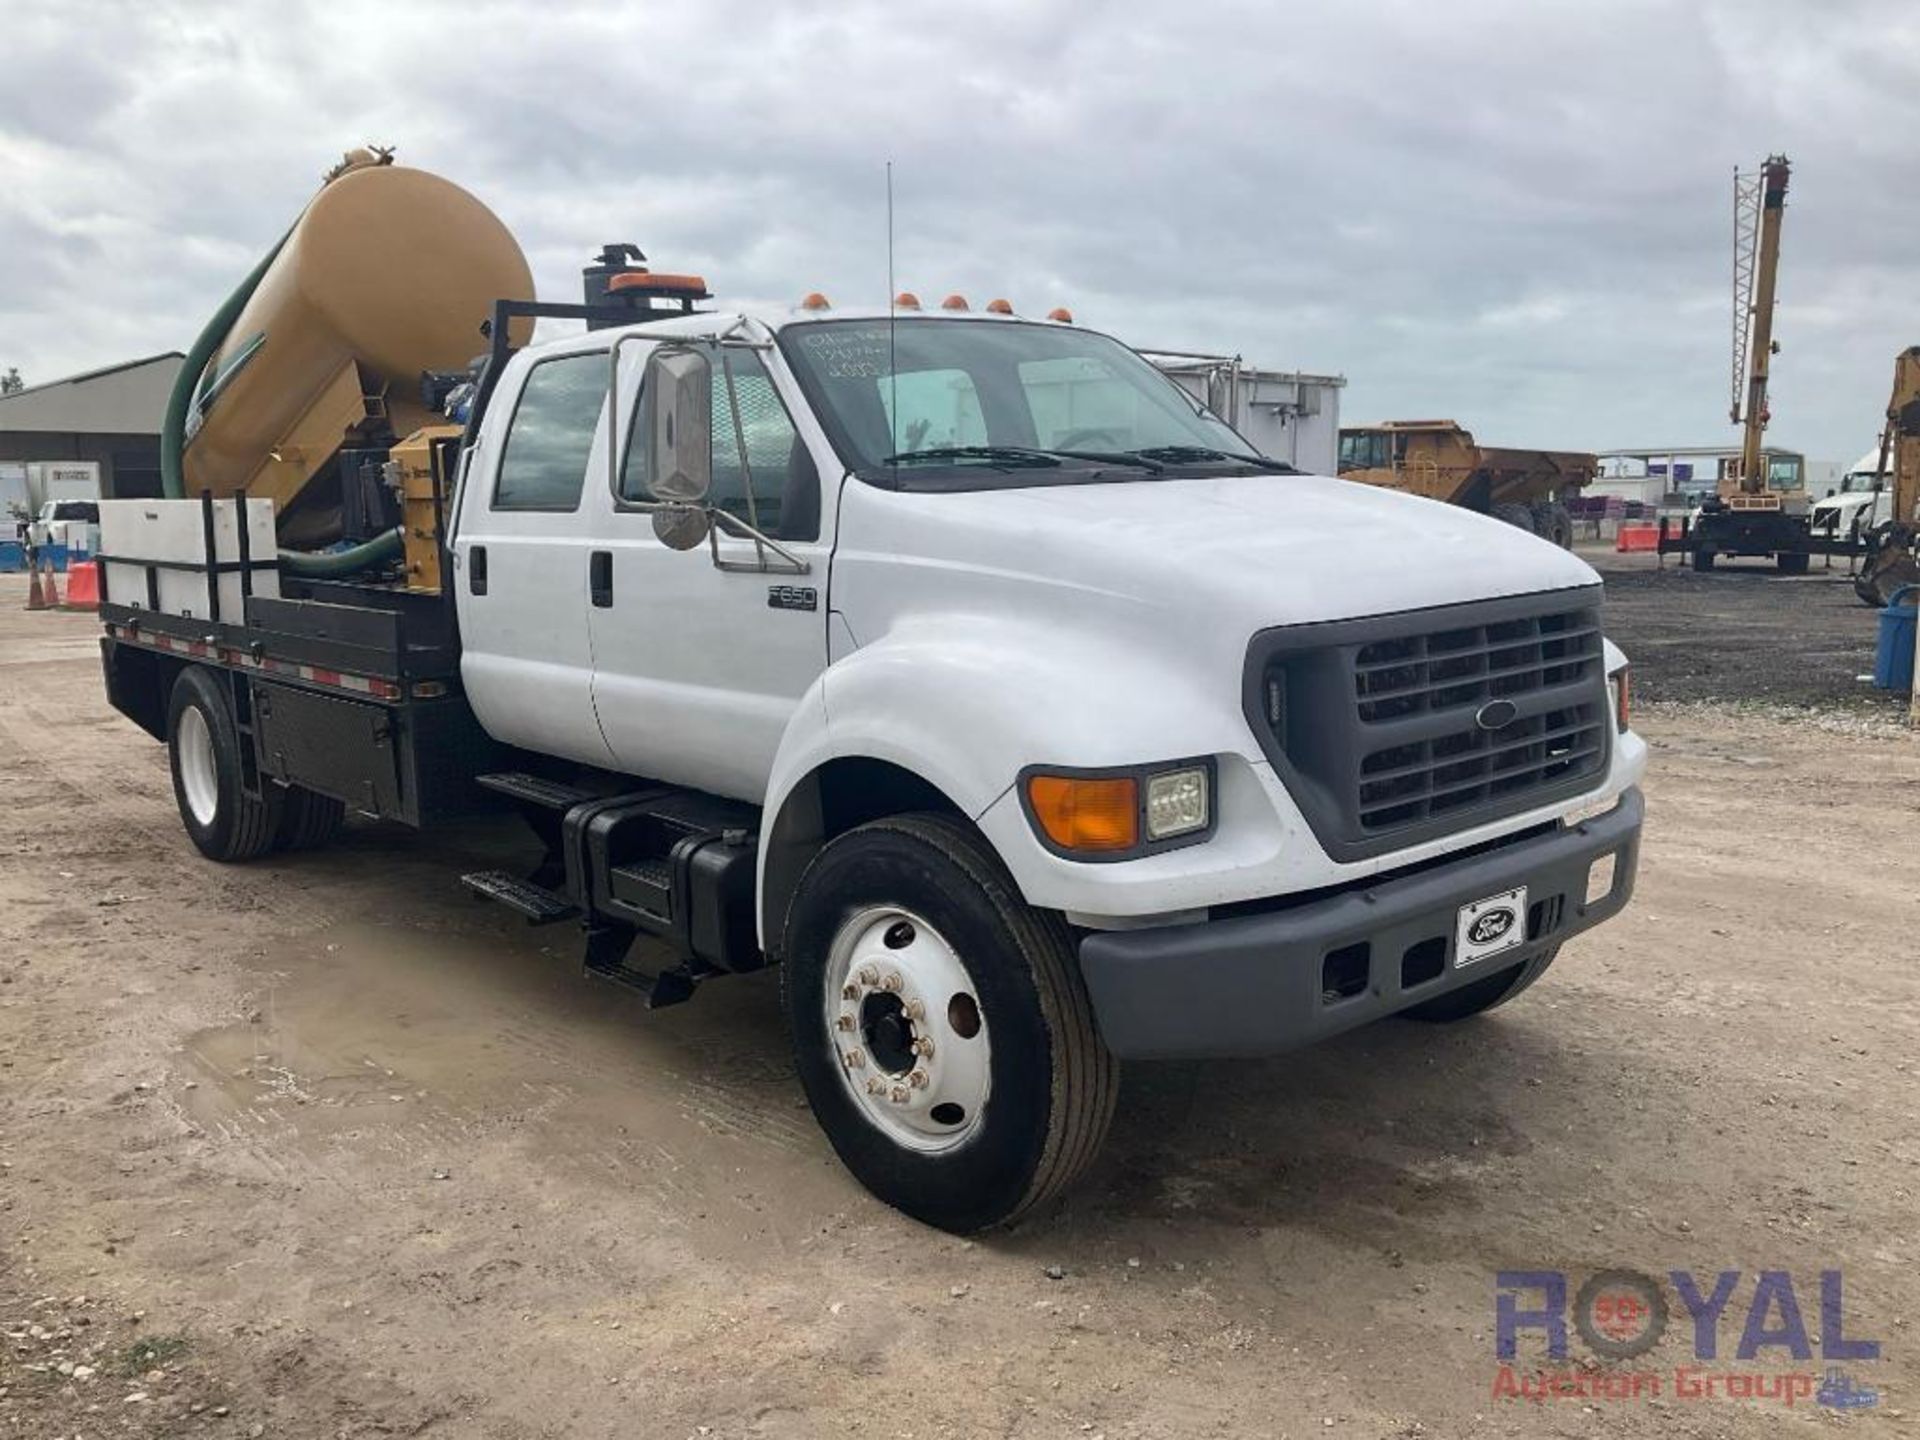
[600, 578]
[477, 571]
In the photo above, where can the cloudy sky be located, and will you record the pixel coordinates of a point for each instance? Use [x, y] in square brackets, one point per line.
[1513, 212]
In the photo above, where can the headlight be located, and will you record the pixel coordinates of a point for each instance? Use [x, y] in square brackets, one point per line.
[1177, 803]
[1119, 814]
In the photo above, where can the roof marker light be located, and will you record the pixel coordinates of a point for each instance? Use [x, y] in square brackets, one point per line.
[1061, 314]
[906, 300]
[999, 307]
[954, 302]
[815, 301]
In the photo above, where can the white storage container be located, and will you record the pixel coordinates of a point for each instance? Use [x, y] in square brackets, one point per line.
[168, 538]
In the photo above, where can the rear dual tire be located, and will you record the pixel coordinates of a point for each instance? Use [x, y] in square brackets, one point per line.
[224, 822]
[940, 1026]
[205, 754]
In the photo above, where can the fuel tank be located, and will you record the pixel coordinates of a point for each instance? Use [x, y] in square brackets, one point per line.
[388, 273]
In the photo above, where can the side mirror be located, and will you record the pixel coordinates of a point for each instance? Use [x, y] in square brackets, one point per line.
[676, 425]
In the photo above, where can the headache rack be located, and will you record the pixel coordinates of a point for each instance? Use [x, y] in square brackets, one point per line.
[1404, 728]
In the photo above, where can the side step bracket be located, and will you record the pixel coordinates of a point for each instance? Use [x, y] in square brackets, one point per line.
[540, 905]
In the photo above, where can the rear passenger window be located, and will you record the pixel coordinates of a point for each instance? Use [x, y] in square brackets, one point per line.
[551, 436]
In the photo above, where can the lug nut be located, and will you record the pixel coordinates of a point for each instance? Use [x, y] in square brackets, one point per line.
[875, 1085]
[916, 1011]
[918, 1079]
[868, 975]
[923, 1047]
[850, 993]
[845, 1022]
[892, 982]
[855, 1059]
[899, 1095]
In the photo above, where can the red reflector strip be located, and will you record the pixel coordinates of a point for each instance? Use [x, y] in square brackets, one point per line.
[316, 674]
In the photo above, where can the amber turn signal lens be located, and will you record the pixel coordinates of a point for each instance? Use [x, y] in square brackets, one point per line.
[1087, 814]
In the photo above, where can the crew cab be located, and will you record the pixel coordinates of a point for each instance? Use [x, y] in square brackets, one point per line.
[964, 667]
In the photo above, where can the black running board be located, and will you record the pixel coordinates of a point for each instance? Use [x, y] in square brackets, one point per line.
[540, 905]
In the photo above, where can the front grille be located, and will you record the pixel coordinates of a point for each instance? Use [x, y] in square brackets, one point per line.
[1406, 727]
[1454, 676]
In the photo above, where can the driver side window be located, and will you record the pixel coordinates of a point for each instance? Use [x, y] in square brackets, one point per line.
[760, 445]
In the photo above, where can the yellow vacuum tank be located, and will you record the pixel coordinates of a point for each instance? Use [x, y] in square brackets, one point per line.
[389, 272]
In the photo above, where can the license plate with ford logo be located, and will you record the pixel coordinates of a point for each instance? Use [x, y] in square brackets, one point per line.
[1489, 926]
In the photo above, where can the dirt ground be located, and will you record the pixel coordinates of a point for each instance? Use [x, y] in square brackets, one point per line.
[1743, 633]
[319, 1147]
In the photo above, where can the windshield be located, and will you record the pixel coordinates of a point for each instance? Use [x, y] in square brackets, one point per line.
[998, 403]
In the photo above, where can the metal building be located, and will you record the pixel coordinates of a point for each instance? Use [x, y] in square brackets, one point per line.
[109, 418]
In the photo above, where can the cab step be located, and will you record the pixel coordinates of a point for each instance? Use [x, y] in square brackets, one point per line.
[539, 904]
[607, 949]
[534, 790]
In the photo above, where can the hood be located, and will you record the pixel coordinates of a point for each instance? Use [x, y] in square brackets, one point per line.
[1248, 551]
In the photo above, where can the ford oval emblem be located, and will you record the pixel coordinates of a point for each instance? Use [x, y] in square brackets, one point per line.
[1491, 926]
[1496, 715]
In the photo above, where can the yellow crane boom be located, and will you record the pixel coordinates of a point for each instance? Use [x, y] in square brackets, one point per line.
[1747, 487]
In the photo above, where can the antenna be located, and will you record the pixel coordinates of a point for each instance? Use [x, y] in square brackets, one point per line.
[893, 372]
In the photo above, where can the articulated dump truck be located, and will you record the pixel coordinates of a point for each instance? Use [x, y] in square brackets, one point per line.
[1441, 461]
[826, 639]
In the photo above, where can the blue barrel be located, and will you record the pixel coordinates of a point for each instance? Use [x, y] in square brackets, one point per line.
[13, 555]
[1893, 661]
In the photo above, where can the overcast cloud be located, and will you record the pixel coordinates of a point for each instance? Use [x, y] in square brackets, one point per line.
[1515, 214]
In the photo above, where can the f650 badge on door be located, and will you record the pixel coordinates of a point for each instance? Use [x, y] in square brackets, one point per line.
[792, 597]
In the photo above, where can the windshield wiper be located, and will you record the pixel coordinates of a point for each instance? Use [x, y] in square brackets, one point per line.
[1187, 454]
[1025, 455]
[1004, 454]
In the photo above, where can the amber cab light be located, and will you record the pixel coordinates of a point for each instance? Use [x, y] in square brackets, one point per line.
[1092, 815]
[1623, 698]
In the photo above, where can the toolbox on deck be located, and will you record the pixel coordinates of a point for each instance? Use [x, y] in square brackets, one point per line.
[198, 559]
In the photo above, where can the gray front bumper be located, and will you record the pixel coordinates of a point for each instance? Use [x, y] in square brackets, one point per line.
[1256, 984]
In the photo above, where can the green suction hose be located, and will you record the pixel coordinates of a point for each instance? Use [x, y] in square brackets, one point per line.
[173, 440]
[332, 564]
[173, 429]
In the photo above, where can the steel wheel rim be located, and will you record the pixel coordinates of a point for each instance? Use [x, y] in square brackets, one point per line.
[199, 776]
[907, 1030]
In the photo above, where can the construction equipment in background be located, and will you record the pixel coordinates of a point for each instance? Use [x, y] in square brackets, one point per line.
[1893, 546]
[1442, 461]
[1754, 510]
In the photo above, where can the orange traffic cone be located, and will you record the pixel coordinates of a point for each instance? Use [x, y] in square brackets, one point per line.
[52, 592]
[83, 585]
[36, 599]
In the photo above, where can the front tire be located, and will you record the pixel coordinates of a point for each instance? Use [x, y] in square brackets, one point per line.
[1553, 521]
[1516, 515]
[1482, 995]
[940, 1026]
[203, 747]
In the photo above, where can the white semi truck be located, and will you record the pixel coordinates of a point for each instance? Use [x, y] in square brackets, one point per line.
[1025, 735]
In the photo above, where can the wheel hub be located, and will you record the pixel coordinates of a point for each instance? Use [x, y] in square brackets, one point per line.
[888, 1032]
[199, 773]
[904, 1016]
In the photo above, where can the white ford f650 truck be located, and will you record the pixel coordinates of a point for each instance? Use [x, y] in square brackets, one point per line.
[956, 662]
